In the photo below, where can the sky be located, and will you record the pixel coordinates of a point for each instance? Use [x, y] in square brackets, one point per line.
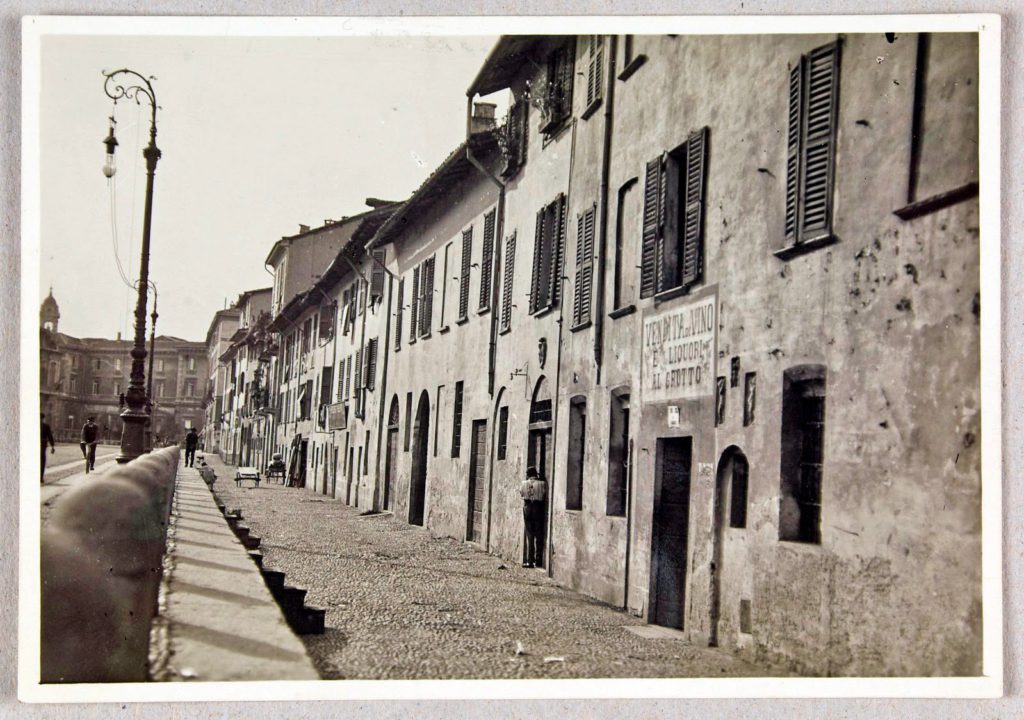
[258, 135]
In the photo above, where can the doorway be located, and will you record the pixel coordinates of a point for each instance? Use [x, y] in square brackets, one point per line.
[303, 451]
[477, 472]
[420, 445]
[538, 454]
[671, 527]
[391, 456]
[731, 507]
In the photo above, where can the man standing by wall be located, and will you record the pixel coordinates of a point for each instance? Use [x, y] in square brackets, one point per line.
[46, 436]
[90, 431]
[533, 490]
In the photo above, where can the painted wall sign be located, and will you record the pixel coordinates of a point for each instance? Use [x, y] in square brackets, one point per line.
[678, 351]
[673, 416]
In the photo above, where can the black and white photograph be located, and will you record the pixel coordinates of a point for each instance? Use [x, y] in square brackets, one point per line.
[505, 349]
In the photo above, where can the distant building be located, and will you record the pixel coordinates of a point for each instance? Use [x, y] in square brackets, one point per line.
[218, 337]
[79, 377]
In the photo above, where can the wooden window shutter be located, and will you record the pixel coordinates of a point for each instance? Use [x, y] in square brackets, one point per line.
[427, 311]
[649, 267]
[398, 314]
[793, 151]
[557, 252]
[595, 67]
[357, 378]
[522, 131]
[348, 376]
[341, 381]
[371, 371]
[326, 383]
[693, 208]
[506, 291]
[415, 302]
[584, 266]
[538, 252]
[487, 261]
[567, 68]
[377, 274]
[467, 257]
[822, 92]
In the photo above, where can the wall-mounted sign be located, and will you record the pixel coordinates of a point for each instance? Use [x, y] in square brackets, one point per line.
[749, 398]
[673, 416]
[678, 351]
[336, 416]
[706, 473]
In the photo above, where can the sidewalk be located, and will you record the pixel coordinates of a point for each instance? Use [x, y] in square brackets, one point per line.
[402, 604]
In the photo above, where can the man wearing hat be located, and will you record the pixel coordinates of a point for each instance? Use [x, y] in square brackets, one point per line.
[90, 431]
[533, 490]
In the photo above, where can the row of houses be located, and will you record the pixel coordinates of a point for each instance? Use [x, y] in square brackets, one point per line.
[722, 291]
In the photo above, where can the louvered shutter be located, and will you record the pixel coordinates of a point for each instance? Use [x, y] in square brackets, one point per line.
[595, 63]
[371, 364]
[326, 383]
[819, 140]
[341, 381]
[398, 314]
[467, 256]
[649, 268]
[693, 230]
[584, 266]
[377, 274]
[487, 261]
[557, 252]
[427, 311]
[357, 377]
[522, 132]
[793, 151]
[415, 302]
[567, 68]
[538, 252]
[506, 292]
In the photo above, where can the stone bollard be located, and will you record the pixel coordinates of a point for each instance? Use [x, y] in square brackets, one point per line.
[101, 565]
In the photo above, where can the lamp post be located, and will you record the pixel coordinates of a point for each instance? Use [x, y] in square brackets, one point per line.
[125, 83]
[152, 353]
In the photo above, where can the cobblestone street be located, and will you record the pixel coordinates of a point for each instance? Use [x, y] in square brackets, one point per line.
[402, 604]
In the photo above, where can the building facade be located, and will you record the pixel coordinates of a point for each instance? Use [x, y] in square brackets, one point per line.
[218, 337]
[722, 291]
[80, 377]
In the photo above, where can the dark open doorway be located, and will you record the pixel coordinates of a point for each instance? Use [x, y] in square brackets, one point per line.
[539, 454]
[671, 527]
[420, 446]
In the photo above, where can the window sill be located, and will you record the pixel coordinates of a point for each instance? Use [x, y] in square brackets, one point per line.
[632, 66]
[591, 109]
[483, 310]
[574, 511]
[544, 311]
[443, 329]
[505, 330]
[462, 320]
[425, 336]
[672, 293]
[622, 312]
[937, 202]
[581, 326]
[806, 246]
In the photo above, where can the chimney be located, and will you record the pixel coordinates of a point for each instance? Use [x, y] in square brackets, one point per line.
[303, 228]
[483, 117]
[118, 334]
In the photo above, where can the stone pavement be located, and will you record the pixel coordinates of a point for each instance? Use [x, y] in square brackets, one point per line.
[403, 604]
[218, 620]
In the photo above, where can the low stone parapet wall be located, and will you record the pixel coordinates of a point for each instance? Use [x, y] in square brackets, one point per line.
[100, 566]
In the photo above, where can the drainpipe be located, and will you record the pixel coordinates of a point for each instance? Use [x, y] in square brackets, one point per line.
[382, 398]
[558, 362]
[602, 243]
[362, 392]
[499, 232]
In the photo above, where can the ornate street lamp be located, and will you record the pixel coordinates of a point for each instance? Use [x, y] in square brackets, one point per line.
[131, 85]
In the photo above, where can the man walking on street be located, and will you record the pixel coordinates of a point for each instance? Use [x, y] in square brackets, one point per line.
[46, 435]
[191, 442]
[533, 490]
[90, 431]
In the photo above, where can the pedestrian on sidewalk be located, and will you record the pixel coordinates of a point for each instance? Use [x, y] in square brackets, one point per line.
[533, 491]
[191, 442]
[90, 431]
[46, 435]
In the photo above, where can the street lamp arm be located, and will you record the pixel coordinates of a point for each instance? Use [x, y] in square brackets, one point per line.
[116, 89]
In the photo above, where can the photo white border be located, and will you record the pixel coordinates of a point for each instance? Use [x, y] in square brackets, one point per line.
[990, 684]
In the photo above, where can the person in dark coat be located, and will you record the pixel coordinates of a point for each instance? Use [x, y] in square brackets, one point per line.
[90, 435]
[46, 436]
[191, 443]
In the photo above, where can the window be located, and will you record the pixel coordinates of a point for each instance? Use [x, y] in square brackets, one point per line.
[159, 365]
[366, 455]
[810, 160]
[377, 274]
[191, 364]
[584, 267]
[738, 492]
[408, 420]
[444, 287]
[307, 331]
[631, 60]
[457, 421]
[159, 388]
[326, 383]
[803, 437]
[346, 317]
[98, 364]
[117, 389]
[74, 385]
[306, 400]
[672, 245]
[426, 296]
[506, 289]
[348, 378]
[398, 315]
[415, 301]
[371, 364]
[549, 239]
[574, 468]
[595, 73]
[618, 455]
[557, 105]
[502, 432]
[190, 389]
[467, 258]
[513, 137]
[326, 329]
[622, 245]
[357, 378]
[117, 363]
[486, 262]
[437, 415]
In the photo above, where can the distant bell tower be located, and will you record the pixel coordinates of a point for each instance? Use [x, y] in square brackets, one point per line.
[49, 313]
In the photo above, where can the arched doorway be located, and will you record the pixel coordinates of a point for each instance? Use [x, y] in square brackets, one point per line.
[420, 444]
[391, 458]
[539, 452]
[730, 509]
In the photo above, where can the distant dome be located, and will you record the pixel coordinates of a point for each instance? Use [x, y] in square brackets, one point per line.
[49, 313]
